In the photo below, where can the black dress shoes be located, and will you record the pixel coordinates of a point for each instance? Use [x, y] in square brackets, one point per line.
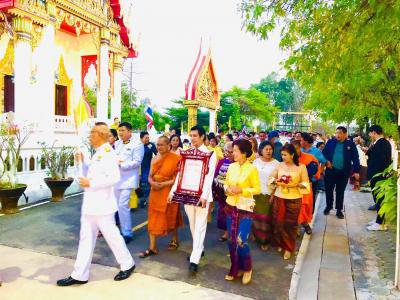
[69, 281]
[326, 211]
[193, 267]
[122, 275]
[339, 214]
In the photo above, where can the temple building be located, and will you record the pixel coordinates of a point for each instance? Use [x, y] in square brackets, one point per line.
[48, 51]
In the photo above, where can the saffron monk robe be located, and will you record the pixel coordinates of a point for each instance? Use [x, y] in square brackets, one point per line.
[163, 217]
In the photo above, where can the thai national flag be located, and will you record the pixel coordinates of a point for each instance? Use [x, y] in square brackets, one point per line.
[149, 117]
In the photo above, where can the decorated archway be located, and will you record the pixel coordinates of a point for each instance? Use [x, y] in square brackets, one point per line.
[202, 90]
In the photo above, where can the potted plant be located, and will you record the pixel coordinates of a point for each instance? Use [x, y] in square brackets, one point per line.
[57, 161]
[12, 138]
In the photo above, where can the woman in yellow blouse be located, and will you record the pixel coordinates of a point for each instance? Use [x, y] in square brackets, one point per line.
[213, 146]
[241, 184]
[254, 146]
[291, 181]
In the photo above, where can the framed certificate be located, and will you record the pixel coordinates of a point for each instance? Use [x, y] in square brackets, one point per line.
[193, 169]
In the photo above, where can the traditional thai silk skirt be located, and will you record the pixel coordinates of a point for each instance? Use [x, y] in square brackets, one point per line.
[262, 219]
[285, 214]
[220, 197]
[239, 227]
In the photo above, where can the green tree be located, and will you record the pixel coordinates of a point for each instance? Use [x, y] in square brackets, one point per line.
[91, 98]
[178, 114]
[285, 93]
[131, 113]
[345, 54]
[244, 106]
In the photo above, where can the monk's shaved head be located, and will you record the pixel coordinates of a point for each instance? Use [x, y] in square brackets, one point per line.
[164, 139]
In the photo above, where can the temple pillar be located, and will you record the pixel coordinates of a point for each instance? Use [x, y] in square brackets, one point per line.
[213, 120]
[102, 98]
[47, 71]
[192, 114]
[116, 101]
[24, 102]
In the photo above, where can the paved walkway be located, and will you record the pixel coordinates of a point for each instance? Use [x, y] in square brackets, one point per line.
[344, 260]
[53, 228]
[30, 275]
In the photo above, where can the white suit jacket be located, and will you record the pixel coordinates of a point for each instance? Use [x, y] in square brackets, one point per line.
[208, 180]
[103, 172]
[131, 155]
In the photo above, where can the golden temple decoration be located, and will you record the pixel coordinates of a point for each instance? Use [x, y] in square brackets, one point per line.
[35, 9]
[37, 31]
[63, 79]
[51, 8]
[111, 72]
[7, 62]
[89, 10]
[202, 89]
[80, 25]
[118, 62]
[206, 91]
[23, 27]
[6, 68]
[192, 107]
[105, 35]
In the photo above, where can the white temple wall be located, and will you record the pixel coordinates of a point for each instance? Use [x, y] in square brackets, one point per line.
[72, 49]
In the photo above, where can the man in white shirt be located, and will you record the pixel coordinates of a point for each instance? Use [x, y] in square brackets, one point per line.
[130, 154]
[198, 214]
[98, 209]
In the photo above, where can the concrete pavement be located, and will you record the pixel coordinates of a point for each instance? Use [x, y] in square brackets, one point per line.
[53, 228]
[344, 260]
[30, 275]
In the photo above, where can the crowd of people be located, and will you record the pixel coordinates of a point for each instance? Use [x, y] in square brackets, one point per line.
[262, 185]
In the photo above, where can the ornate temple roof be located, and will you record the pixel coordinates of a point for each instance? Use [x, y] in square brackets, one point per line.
[81, 16]
[202, 85]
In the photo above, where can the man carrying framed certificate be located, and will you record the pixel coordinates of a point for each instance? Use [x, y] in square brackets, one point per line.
[192, 187]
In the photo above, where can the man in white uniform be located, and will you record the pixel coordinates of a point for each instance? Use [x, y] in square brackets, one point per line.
[198, 214]
[98, 209]
[130, 154]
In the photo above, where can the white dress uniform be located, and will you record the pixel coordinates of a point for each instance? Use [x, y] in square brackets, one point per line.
[197, 215]
[131, 154]
[98, 209]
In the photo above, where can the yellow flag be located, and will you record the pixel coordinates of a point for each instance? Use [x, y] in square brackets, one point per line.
[81, 113]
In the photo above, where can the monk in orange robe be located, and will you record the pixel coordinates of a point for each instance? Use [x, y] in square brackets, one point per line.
[313, 170]
[163, 217]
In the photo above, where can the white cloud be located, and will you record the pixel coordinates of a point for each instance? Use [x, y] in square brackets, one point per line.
[170, 36]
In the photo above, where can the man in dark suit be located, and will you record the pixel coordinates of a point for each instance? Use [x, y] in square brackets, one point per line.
[273, 138]
[379, 158]
[342, 158]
